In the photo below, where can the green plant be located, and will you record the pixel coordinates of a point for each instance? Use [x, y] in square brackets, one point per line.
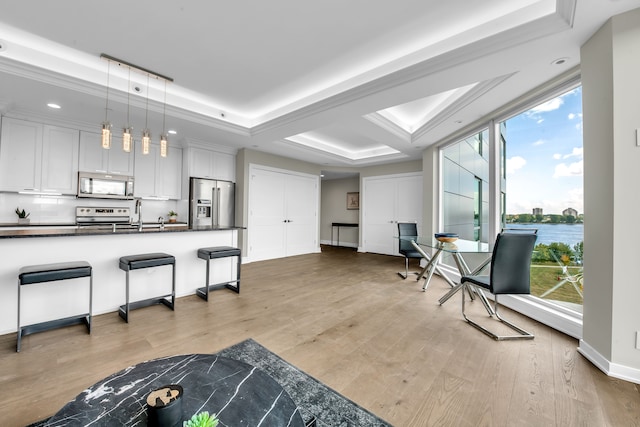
[203, 419]
[173, 213]
[22, 213]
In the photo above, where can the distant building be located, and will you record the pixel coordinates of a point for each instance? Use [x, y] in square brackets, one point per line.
[537, 211]
[570, 212]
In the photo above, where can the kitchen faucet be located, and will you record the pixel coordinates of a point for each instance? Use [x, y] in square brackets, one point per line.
[139, 212]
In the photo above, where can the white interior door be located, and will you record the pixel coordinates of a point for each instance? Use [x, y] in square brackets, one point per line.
[301, 214]
[379, 215]
[409, 196]
[387, 201]
[266, 215]
[283, 214]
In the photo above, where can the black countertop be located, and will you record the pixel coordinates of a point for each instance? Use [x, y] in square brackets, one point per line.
[62, 230]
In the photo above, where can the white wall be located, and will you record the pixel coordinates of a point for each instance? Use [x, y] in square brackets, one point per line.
[610, 85]
[333, 198]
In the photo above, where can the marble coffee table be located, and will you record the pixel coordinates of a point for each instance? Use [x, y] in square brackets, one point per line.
[241, 394]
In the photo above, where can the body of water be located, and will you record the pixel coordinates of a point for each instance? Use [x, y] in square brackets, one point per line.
[549, 233]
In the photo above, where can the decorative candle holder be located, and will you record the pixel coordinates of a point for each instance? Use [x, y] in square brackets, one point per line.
[164, 406]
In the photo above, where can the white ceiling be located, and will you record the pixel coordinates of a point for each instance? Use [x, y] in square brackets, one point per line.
[335, 83]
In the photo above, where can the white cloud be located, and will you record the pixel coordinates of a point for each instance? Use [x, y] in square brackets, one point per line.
[571, 116]
[576, 152]
[538, 142]
[572, 169]
[539, 121]
[557, 156]
[551, 105]
[515, 163]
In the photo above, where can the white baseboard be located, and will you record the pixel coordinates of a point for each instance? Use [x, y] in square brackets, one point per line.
[612, 369]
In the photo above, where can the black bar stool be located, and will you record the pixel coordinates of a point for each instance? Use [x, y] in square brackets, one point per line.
[217, 252]
[136, 262]
[48, 273]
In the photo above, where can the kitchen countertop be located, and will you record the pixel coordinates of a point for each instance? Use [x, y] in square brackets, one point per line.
[61, 230]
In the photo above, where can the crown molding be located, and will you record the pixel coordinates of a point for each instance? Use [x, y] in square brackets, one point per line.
[542, 27]
[388, 125]
[344, 160]
[450, 110]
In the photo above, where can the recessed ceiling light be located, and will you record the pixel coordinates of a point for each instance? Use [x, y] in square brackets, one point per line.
[559, 61]
[172, 132]
[54, 106]
[458, 121]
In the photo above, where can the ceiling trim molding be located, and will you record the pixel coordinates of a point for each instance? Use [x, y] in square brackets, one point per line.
[548, 90]
[115, 95]
[536, 29]
[337, 157]
[476, 92]
[566, 9]
[388, 125]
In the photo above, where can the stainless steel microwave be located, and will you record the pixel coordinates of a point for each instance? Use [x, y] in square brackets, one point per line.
[105, 186]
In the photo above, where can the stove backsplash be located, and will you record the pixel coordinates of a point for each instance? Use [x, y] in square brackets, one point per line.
[62, 209]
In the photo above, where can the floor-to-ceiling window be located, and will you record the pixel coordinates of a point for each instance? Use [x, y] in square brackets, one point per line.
[543, 155]
[465, 199]
[539, 166]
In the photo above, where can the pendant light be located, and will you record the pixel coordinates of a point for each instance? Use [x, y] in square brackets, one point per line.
[163, 137]
[106, 125]
[146, 134]
[127, 139]
[127, 135]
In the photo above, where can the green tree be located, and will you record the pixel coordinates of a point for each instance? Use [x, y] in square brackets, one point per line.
[555, 219]
[578, 250]
[525, 217]
[541, 253]
[569, 219]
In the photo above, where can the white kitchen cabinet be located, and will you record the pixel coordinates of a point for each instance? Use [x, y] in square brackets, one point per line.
[156, 176]
[283, 214]
[211, 164]
[94, 158]
[386, 201]
[38, 158]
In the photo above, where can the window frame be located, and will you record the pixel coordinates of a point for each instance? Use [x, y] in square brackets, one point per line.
[553, 315]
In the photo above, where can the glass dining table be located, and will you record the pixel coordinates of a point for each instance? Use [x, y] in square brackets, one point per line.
[456, 249]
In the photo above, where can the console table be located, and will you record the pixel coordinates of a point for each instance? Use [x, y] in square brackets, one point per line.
[240, 394]
[338, 225]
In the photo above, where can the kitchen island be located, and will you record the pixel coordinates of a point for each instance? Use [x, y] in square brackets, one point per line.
[102, 248]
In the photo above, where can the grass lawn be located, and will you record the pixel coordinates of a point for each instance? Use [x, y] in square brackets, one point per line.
[546, 276]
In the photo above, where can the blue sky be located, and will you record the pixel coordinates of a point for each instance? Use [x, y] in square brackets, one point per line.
[544, 157]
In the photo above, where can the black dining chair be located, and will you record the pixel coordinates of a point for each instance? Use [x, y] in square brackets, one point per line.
[406, 232]
[510, 274]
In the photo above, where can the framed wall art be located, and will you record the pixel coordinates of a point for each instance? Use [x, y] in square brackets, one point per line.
[353, 200]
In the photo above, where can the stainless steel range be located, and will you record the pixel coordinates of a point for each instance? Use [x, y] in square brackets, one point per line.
[86, 215]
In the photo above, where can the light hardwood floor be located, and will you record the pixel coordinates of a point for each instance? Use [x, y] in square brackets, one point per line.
[350, 321]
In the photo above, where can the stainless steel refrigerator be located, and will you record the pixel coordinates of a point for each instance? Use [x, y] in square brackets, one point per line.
[211, 203]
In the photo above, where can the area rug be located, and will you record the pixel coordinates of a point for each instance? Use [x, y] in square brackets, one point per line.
[316, 402]
[329, 407]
